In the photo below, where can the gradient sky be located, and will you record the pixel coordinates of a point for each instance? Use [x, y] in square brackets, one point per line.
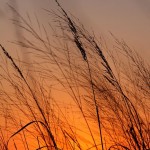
[126, 19]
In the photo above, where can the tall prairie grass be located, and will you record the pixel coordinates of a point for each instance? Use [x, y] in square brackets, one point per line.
[76, 93]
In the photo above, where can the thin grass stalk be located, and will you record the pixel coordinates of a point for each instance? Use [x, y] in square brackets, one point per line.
[113, 80]
[38, 143]
[15, 145]
[59, 68]
[96, 107]
[115, 83]
[27, 106]
[26, 143]
[35, 99]
[83, 53]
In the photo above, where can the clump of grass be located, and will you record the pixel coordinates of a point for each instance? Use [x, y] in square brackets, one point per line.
[111, 97]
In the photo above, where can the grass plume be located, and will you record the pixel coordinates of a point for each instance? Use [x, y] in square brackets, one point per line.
[79, 97]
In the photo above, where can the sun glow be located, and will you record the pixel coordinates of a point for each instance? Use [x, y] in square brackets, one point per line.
[64, 89]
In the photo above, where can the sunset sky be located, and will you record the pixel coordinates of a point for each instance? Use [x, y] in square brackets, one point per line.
[126, 19]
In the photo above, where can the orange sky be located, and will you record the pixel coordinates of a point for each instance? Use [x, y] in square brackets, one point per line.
[128, 19]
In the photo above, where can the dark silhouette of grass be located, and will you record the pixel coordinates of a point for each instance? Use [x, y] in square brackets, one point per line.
[112, 98]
